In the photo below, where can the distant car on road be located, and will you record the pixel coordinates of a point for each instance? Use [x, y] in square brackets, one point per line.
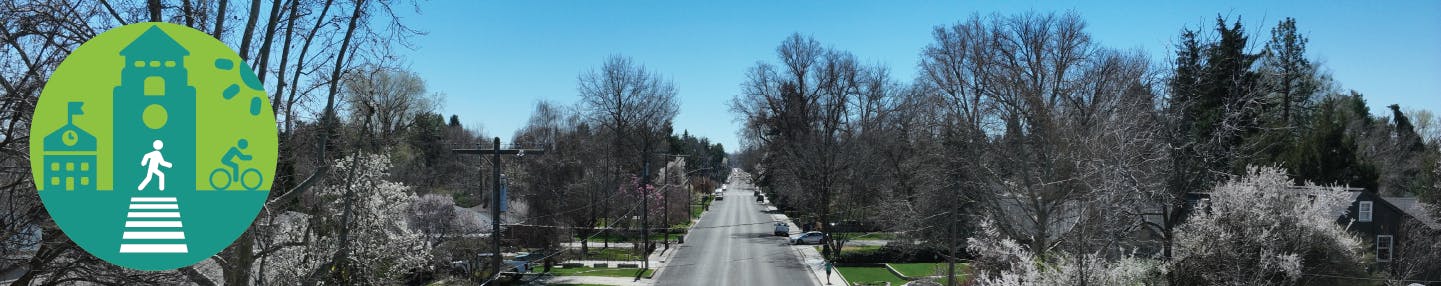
[813, 237]
[782, 229]
[719, 195]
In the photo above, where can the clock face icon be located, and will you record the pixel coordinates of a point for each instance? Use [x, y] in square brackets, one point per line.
[69, 138]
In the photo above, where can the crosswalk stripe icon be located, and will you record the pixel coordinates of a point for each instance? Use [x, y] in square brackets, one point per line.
[145, 234]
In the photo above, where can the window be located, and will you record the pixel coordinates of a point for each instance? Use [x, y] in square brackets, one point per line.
[1363, 211]
[1383, 248]
[154, 85]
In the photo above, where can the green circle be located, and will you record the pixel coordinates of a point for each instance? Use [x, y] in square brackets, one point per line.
[128, 99]
[155, 116]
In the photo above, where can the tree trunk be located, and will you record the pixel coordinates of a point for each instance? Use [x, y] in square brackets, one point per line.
[299, 66]
[186, 11]
[280, 85]
[340, 255]
[237, 272]
[249, 30]
[220, 19]
[154, 7]
[270, 27]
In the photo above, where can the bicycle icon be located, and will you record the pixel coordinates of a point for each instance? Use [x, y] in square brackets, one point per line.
[221, 178]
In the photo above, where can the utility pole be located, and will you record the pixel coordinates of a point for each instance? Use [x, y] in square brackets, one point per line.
[688, 191]
[645, 213]
[645, 216]
[665, 196]
[495, 194]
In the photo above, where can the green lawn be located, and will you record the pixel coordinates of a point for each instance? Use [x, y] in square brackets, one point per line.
[600, 238]
[696, 210]
[858, 275]
[605, 272]
[929, 269]
[613, 253]
[870, 236]
[853, 248]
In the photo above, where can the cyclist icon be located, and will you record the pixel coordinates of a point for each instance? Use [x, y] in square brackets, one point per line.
[221, 178]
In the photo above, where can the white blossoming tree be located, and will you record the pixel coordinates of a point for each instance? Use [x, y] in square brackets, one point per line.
[1256, 230]
[1260, 230]
[382, 248]
[1006, 262]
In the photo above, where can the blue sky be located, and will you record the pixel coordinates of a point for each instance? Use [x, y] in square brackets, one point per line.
[494, 60]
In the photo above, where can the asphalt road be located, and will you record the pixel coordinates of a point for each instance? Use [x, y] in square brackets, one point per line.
[733, 245]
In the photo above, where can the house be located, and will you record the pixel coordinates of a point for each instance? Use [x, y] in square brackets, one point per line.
[1382, 222]
[1386, 222]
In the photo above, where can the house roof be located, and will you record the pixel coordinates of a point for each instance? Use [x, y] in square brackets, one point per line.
[1064, 217]
[1340, 210]
[1414, 208]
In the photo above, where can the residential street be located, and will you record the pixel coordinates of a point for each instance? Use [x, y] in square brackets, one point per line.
[732, 245]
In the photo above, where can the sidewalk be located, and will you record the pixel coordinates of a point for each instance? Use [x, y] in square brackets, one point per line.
[808, 255]
[596, 280]
[657, 259]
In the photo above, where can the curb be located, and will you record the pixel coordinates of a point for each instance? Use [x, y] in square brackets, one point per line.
[844, 281]
[819, 275]
[898, 273]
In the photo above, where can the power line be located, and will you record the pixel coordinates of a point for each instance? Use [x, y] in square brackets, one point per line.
[496, 275]
[576, 209]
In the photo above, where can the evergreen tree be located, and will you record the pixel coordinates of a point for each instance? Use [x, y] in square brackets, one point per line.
[1328, 154]
[1213, 103]
[1289, 77]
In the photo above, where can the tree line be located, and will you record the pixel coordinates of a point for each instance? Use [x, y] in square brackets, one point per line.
[1044, 157]
[367, 188]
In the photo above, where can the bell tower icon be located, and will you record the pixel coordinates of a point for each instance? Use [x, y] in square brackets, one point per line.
[154, 101]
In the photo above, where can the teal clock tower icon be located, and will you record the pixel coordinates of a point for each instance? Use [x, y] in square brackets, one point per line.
[154, 87]
[153, 146]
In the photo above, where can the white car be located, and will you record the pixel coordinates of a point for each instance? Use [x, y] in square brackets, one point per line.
[812, 237]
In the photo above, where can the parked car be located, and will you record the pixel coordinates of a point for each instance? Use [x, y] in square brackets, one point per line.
[720, 195]
[782, 229]
[813, 237]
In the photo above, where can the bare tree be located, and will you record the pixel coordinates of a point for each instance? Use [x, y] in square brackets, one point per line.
[395, 97]
[635, 105]
[810, 116]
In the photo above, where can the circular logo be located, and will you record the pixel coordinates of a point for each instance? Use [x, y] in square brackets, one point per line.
[153, 146]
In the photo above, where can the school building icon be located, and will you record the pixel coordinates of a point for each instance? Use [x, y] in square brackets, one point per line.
[69, 161]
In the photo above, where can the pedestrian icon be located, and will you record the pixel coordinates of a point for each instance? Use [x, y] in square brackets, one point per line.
[152, 162]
